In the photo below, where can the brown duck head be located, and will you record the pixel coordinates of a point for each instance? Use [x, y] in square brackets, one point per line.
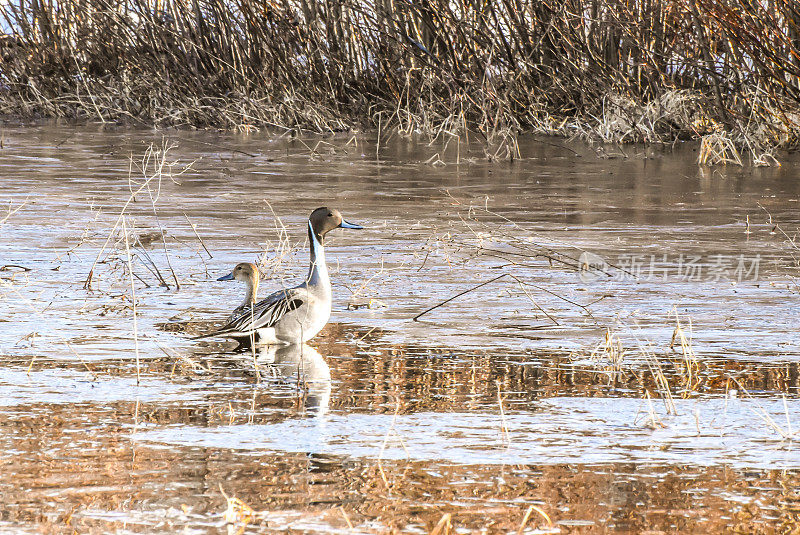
[324, 220]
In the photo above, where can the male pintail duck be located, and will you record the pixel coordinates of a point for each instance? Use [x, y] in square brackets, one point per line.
[248, 273]
[296, 314]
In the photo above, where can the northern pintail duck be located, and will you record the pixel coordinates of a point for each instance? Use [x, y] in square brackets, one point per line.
[297, 314]
[248, 273]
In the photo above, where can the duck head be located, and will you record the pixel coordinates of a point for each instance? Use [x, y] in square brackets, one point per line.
[245, 271]
[324, 220]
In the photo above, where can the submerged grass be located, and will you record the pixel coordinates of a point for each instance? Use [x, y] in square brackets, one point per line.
[606, 70]
[669, 378]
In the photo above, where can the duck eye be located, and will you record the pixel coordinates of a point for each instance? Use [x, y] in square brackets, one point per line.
[330, 214]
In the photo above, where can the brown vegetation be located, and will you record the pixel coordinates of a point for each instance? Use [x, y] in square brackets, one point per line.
[613, 70]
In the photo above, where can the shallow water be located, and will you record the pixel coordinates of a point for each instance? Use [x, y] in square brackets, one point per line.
[501, 399]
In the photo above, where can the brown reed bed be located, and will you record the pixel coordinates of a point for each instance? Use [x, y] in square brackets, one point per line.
[606, 70]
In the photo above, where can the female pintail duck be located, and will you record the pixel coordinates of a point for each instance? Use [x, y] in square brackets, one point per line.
[248, 273]
[296, 314]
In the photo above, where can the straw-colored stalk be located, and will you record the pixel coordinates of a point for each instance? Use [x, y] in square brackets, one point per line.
[603, 69]
[133, 301]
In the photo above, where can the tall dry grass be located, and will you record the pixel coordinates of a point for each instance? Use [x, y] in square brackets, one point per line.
[620, 70]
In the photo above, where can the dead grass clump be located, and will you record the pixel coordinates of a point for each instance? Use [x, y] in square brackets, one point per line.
[609, 353]
[718, 148]
[624, 119]
[665, 377]
[615, 71]
[689, 367]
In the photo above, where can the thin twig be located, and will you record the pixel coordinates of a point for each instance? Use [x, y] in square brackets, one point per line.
[133, 301]
[194, 229]
[416, 318]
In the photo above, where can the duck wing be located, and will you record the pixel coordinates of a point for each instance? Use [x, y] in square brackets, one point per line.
[265, 313]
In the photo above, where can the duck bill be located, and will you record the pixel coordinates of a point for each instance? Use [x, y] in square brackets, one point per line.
[228, 277]
[347, 224]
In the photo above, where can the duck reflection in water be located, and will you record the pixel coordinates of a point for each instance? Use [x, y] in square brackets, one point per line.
[302, 365]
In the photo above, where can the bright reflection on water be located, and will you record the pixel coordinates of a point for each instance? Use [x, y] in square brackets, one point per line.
[558, 431]
[547, 389]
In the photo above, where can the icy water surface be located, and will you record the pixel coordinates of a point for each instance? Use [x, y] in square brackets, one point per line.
[633, 368]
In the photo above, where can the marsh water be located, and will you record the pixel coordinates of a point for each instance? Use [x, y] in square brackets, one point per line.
[635, 369]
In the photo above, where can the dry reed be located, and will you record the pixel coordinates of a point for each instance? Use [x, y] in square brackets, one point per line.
[603, 69]
[133, 302]
[155, 166]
